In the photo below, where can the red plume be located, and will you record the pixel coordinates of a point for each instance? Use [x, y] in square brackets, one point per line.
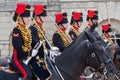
[59, 17]
[105, 27]
[38, 8]
[91, 13]
[20, 8]
[76, 15]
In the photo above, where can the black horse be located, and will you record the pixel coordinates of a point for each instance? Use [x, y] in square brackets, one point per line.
[72, 62]
[78, 55]
[113, 51]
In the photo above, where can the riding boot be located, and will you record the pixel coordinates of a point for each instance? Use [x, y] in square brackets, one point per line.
[22, 79]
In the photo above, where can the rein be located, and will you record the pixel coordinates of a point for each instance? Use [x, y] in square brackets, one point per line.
[92, 54]
[109, 60]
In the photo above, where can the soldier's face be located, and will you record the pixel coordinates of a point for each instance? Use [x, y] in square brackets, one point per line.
[24, 20]
[90, 22]
[110, 33]
[43, 18]
[65, 25]
[79, 23]
[94, 21]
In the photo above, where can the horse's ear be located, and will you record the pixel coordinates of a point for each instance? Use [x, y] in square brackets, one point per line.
[92, 28]
[91, 37]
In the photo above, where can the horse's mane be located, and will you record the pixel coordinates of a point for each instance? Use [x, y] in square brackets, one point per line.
[75, 43]
[79, 39]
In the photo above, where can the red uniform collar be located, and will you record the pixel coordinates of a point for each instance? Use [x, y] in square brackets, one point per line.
[107, 35]
[89, 24]
[22, 25]
[39, 23]
[62, 29]
[76, 27]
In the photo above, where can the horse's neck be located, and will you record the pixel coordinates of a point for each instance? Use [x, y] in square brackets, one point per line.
[68, 76]
[73, 62]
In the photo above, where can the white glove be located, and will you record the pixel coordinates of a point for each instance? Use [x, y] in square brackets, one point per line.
[34, 53]
[55, 48]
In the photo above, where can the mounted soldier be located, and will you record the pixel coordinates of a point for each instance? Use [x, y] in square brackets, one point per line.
[92, 21]
[92, 18]
[107, 33]
[76, 22]
[39, 17]
[38, 63]
[21, 41]
[60, 38]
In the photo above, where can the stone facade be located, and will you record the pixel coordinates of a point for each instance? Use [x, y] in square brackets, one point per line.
[108, 13]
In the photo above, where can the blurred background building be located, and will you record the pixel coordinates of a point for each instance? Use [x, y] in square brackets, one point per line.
[109, 12]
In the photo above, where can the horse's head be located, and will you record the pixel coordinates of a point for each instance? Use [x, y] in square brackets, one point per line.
[75, 56]
[99, 51]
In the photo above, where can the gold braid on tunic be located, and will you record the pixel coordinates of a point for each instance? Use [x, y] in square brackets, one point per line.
[109, 40]
[39, 29]
[41, 37]
[65, 37]
[77, 32]
[27, 38]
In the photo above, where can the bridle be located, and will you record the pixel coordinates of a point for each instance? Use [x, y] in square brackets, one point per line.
[102, 65]
[90, 50]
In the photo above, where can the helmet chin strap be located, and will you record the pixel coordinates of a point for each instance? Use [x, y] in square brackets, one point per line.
[78, 24]
[41, 19]
[23, 20]
[92, 21]
[62, 26]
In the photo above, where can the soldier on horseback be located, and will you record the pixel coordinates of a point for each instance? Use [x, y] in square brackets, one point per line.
[107, 33]
[21, 41]
[60, 38]
[38, 63]
[76, 22]
[92, 21]
[92, 18]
